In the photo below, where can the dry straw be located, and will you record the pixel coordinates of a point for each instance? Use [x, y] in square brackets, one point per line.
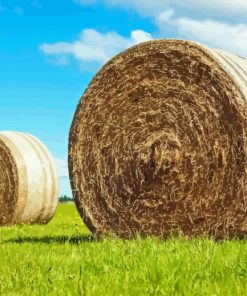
[158, 143]
[28, 180]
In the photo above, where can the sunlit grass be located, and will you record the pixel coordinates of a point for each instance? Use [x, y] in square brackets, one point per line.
[62, 258]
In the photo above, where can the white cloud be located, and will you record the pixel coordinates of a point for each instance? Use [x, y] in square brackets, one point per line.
[93, 46]
[15, 9]
[63, 173]
[85, 2]
[203, 7]
[18, 10]
[62, 166]
[97, 47]
[36, 4]
[216, 34]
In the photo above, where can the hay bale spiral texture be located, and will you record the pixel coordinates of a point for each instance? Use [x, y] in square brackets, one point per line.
[28, 180]
[158, 143]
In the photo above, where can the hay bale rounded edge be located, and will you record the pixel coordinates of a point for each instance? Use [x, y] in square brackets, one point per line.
[28, 180]
[158, 143]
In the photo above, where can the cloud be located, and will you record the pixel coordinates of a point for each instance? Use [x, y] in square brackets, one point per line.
[18, 10]
[12, 9]
[216, 34]
[218, 23]
[86, 2]
[151, 8]
[36, 4]
[93, 46]
[63, 174]
[62, 166]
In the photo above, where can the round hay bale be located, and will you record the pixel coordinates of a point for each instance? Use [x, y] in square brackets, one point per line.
[28, 180]
[158, 143]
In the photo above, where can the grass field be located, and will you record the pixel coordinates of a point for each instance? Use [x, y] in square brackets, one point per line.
[61, 258]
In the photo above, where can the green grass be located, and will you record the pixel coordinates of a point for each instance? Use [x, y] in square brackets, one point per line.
[61, 258]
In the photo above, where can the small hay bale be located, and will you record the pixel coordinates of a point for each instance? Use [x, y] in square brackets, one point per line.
[158, 143]
[28, 180]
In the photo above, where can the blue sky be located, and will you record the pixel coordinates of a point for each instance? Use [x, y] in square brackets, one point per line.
[50, 50]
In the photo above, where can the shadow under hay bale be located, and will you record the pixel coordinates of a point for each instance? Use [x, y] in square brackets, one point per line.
[57, 239]
[28, 180]
[158, 143]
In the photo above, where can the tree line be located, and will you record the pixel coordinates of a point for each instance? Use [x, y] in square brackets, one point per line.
[65, 198]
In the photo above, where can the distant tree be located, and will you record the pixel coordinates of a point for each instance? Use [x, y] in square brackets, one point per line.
[65, 198]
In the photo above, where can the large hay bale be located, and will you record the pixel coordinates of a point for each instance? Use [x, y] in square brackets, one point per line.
[158, 143]
[28, 180]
